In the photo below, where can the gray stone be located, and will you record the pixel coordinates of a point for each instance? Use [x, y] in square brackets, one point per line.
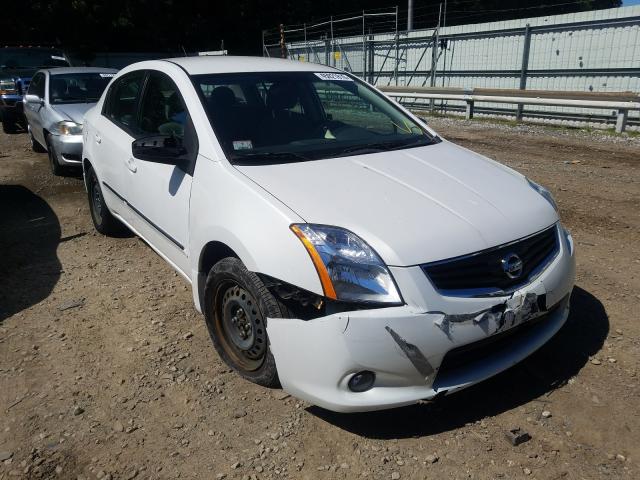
[432, 458]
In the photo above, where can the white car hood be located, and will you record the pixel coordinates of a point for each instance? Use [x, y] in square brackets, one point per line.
[73, 111]
[412, 206]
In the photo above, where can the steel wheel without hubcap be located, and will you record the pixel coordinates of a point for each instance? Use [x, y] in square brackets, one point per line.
[96, 200]
[244, 332]
[103, 220]
[236, 307]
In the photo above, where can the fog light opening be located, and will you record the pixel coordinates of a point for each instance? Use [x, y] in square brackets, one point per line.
[362, 381]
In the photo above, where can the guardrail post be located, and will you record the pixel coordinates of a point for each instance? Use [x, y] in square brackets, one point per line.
[469, 110]
[525, 66]
[621, 120]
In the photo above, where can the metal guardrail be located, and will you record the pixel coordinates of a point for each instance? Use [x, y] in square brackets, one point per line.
[623, 102]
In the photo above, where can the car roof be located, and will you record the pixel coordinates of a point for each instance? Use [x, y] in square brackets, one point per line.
[66, 70]
[233, 64]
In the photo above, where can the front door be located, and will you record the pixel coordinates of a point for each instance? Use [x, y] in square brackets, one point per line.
[33, 111]
[159, 192]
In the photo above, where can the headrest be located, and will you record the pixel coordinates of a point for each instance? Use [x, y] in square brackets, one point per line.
[58, 87]
[282, 96]
[222, 97]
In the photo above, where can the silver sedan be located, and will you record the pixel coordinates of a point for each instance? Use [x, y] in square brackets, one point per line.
[54, 107]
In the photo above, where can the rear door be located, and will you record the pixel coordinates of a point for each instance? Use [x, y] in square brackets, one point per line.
[159, 192]
[114, 131]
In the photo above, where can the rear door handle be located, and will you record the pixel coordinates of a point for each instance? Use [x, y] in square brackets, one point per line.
[98, 138]
[131, 165]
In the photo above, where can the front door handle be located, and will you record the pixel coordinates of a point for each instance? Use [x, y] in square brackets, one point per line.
[131, 165]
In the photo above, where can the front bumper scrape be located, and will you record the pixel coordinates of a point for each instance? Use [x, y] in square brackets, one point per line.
[405, 348]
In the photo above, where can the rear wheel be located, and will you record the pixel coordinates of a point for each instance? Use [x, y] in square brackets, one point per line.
[236, 308]
[103, 220]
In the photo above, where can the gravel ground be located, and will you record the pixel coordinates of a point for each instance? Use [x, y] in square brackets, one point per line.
[107, 371]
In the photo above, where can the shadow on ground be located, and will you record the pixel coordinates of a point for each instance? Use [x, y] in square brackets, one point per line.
[29, 238]
[549, 368]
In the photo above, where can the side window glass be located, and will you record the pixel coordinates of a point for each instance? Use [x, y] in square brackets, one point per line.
[162, 110]
[349, 109]
[36, 87]
[123, 99]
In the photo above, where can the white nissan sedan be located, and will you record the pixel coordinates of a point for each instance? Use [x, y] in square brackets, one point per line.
[335, 244]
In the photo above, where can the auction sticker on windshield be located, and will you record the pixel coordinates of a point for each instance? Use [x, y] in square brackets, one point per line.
[107, 75]
[242, 145]
[334, 76]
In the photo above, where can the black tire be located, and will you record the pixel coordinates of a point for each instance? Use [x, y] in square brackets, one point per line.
[233, 292]
[104, 222]
[9, 123]
[56, 168]
[35, 146]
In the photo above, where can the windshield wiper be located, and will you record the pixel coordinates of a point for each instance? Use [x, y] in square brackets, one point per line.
[386, 146]
[259, 158]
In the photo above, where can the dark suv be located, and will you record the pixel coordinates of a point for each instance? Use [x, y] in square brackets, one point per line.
[17, 65]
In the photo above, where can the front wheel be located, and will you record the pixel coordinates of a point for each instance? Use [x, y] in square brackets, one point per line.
[57, 169]
[103, 220]
[35, 146]
[236, 308]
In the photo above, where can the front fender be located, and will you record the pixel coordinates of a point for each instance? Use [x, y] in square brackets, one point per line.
[227, 207]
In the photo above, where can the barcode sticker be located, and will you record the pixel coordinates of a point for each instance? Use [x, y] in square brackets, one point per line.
[107, 75]
[242, 145]
[340, 77]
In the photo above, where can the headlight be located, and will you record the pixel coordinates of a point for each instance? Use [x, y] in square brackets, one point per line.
[544, 192]
[349, 269]
[8, 86]
[68, 128]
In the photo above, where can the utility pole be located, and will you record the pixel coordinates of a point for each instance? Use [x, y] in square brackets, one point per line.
[395, 74]
[283, 48]
[410, 16]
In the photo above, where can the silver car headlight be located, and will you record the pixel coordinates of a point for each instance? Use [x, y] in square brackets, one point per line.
[544, 192]
[349, 269]
[68, 127]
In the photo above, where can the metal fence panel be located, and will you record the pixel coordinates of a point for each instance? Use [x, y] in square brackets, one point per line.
[588, 51]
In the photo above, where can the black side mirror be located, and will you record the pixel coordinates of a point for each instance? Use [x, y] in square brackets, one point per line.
[160, 149]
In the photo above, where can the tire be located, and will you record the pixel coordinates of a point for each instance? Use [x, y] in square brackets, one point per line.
[9, 123]
[103, 221]
[35, 146]
[236, 306]
[57, 169]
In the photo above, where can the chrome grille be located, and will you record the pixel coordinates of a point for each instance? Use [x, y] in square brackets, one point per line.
[482, 272]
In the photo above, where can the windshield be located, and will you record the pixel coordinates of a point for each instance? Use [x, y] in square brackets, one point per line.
[25, 58]
[78, 87]
[275, 117]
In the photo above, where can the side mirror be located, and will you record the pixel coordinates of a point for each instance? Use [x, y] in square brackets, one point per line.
[30, 98]
[160, 149]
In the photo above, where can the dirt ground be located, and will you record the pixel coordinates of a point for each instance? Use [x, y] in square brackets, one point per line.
[106, 369]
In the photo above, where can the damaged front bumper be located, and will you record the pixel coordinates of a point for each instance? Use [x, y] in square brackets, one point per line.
[434, 345]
